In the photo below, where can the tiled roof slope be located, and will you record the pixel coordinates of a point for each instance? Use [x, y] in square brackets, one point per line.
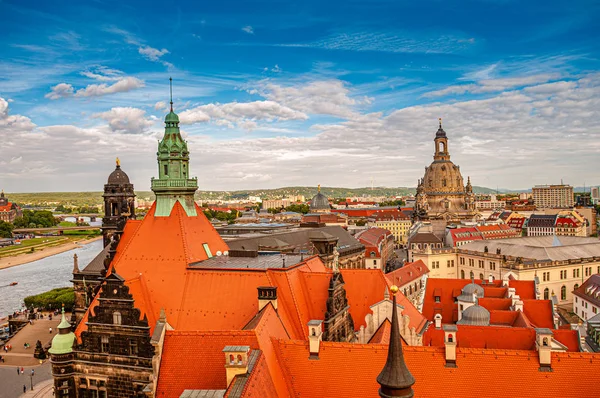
[590, 290]
[382, 335]
[498, 337]
[202, 366]
[408, 273]
[195, 360]
[479, 373]
[365, 287]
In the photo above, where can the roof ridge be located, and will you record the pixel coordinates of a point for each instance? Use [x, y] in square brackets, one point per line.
[181, 229]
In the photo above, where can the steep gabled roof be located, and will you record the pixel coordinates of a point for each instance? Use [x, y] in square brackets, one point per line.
[408, 273]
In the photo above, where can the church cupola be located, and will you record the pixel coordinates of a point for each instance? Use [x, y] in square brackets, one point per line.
[173, 183]
[119, 201]
[441, 144]
[395, 379]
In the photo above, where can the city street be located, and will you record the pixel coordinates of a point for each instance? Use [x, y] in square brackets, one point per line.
[11, 384]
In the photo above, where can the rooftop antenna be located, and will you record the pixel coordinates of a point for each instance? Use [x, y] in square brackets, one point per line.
[171, 89]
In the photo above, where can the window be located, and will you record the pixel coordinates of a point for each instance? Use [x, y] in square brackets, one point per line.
[437, 299]
[493, 265]
[481, 264]
[481, 276]
[133, 348]
[104, 346]
[166, 169]
[374, 262]
[462, 274]
[563, 292]
[594, 310]
[207, 250]
[575, 288]
[116, 318]
[472, 276]
[546, 294]
[462, 262]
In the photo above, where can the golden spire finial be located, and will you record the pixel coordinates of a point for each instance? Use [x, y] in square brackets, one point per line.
[118, 163]
[440, 119]
[319, 187]
[394, 289]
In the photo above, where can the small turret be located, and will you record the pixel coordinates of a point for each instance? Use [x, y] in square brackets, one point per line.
[62, 343]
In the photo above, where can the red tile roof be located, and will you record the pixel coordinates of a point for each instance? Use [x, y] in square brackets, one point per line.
[408, 273]
[382, 335]
[365, 287]
[516, 372]
[498, 337]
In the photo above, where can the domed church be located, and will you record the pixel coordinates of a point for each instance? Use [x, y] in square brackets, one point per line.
[441, 193]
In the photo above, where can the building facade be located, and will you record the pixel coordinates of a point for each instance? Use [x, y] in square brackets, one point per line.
[587, 298]
[119, 202]
[8, 210]
[560, 264]
[398, 223]
[379, 247]
[553, 196]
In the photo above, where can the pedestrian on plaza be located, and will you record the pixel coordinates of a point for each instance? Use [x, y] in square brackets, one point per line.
[32, 372]
[22, 370]
[50, 330]
[18, 371]
[24, 388]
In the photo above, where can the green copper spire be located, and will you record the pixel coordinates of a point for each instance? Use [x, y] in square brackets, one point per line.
[173, 183]
[62, 343]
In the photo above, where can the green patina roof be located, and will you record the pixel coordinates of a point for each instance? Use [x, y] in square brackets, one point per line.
[172, 118]
[62, 343]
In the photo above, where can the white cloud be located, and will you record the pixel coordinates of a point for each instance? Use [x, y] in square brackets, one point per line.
[248, 29]
[96, 90]
[61, 90]
[126, 120]
[493, 85]
[103, 73]
[240, 113]
[9, 122]
[328, 97]
[160, 105]
[152, 54]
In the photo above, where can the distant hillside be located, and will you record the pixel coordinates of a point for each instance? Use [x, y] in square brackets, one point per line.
[78, 199]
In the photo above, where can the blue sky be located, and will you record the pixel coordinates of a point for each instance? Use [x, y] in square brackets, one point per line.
[276, 93]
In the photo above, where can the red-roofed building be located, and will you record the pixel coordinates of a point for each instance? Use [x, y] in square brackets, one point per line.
[179, 314]
[8, 210]
[379, 247]
[410, 279]
[397, 222]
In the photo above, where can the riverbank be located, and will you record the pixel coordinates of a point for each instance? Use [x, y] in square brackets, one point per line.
[25, 258]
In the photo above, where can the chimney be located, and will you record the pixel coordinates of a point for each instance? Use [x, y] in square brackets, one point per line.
[266, 295]
[315, 336]
[517, 303]
[236, 361]
[438, 321]
[450, 344]
[511, 292]
[543, 344]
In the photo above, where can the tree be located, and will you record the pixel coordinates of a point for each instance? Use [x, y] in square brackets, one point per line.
[6, 229]
[298, 208]
[37, 218]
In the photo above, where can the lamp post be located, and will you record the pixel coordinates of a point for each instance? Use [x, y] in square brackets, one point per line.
[31, 378]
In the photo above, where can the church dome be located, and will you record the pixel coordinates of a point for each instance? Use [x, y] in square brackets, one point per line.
[319, 202]
[118, 176]
[172, 118]
[475, 315]
[443, 176]
[473, 288]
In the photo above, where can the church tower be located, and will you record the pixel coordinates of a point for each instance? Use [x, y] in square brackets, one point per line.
[173, 183]
[441, 144]
[118, 202]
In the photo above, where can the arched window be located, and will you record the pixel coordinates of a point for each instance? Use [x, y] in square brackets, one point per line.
[372, 254]
[472, 275]
[239, 358]
[410, 290]
[576, 286]
[314, 332]
[545, 342]
[563, 292]
[462, 274]
[546, 294]
[116, 318]
[231, 359]
[481, 276]
[450, 338]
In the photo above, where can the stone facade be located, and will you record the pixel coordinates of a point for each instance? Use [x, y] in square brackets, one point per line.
[338, 323]
[8, 211]
[115, 356]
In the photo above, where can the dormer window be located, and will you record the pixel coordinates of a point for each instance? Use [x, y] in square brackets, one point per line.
[437, 299]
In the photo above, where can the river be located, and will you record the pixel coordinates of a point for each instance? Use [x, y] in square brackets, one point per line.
[41, 275]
